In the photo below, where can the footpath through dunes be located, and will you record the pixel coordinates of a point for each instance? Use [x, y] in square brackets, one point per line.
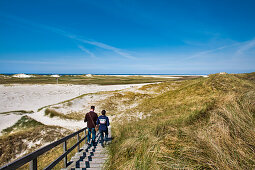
[206, 123]
[90, 157]
[34, 130]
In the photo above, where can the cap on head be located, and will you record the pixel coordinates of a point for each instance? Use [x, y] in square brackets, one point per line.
[92, 107]
[103, 112]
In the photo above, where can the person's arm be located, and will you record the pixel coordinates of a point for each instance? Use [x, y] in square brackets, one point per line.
[85, 119]
[97, 121]
[107, 121]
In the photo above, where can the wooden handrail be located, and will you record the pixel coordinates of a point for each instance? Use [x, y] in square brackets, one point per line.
[63, 155]
[32, 157]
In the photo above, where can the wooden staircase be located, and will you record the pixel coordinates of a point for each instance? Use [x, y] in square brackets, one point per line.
[90, 157]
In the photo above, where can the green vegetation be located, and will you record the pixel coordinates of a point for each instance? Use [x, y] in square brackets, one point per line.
[73, 115]
[45, 159]
[28, 135]
[18, 112]
[83, 80]
[27, 140]
[206, 123]
[24, 123]
[115, 102]
[52, 113]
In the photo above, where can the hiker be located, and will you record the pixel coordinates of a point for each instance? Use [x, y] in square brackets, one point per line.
[91, 118]
[103, 122]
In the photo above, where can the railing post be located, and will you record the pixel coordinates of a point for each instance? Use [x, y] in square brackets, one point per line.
[33, 164]
[65, 158]
[78, 139]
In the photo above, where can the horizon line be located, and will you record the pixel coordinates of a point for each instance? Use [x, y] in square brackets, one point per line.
[110, 73]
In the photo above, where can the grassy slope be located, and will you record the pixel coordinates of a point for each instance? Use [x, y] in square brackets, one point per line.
[24, 123]
[27, 130]
[196, 126]
[203, 123]
[15, 141]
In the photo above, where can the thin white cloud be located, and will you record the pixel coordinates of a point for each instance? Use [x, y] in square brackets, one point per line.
[241, 48]
[26, 62]
[71, 36]
[86, 51]
[105, 46]
[204, 53]
[246, 46]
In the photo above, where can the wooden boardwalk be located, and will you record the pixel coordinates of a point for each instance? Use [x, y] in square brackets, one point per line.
[89, 157]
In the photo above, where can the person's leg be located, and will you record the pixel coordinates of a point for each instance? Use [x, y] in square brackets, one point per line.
[106, 135]
[89, 135]
[93, 135]
[101, 137]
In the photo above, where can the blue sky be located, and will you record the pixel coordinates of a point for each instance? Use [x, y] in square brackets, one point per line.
[127, 36]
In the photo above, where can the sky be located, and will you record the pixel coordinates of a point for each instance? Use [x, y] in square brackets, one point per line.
[127, 36]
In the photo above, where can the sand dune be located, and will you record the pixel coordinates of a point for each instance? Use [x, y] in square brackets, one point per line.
[33, 97]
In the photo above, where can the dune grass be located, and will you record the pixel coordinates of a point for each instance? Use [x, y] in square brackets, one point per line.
[18, 112]
[28, 135]
[24, 122]
[114, 103]
[28, 140]
[83, 80]
[207, 123]
[53, 113]
[45, 159]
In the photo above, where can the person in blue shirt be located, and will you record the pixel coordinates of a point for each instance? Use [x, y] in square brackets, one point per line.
[103, 122]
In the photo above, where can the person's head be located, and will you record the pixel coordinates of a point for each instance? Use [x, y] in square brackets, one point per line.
[103, 112]
[92, 108]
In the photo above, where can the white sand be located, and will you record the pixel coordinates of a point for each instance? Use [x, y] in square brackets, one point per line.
[80, 104]
[55, 75]
[33, 97]
[8, 120]
[55, 121]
